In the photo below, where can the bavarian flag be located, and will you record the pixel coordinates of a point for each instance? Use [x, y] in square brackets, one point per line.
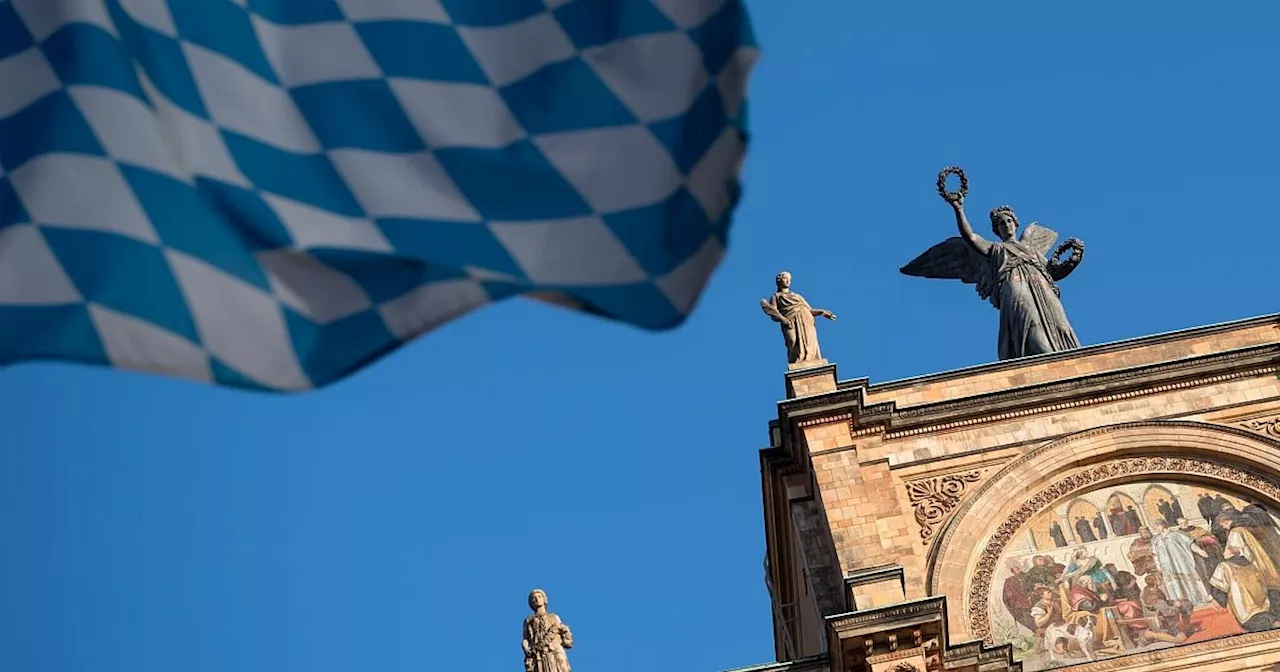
[272, 193]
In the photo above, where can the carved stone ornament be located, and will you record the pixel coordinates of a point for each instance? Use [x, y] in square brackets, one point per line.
[989, 557]
[1268, 426]
[545, 638]
[935, 498]
[903, 660]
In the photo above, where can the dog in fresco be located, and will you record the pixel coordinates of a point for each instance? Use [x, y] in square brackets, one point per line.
[1060, 635]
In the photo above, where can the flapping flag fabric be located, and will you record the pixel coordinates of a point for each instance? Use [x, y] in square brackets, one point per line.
[272, 193]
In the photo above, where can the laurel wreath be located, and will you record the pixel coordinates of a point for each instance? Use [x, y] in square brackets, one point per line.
[950, 196]
[1077, 251]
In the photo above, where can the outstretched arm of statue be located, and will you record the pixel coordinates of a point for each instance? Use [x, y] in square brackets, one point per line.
[982, 245]
[771, 310]
[823, 312]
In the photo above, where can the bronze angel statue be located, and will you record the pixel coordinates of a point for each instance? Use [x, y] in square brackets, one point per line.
[1013, 273]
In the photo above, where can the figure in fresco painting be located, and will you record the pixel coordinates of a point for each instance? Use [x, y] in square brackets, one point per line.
[1118, 524]
[1245, 591]
[1045, 612]
[1166, 511]
[1127, 587]
[1055, 533]
[1044, 572]
[1205, 547]
[1015, 598]
[1084, 564]
[1131, 517]
[1099, 525]
[1083, 532]
[1207, 506]
[1173, 616]
[1110, 612]
[1247, 541]
[1223, 511]
[1258, 515]
[1140, 554]
[1172, 551]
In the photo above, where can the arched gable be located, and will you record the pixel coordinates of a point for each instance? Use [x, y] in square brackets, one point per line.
[964, 561]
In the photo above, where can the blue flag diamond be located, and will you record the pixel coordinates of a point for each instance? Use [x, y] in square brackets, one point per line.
[270, 194]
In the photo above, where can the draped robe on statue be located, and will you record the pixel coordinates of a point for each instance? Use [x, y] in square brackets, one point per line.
[1032, 320]
[546, 638]
[798, 328]
[1014, 276]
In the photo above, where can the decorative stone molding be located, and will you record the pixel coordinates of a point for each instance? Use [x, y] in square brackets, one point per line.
[975, 654]
[1269, 426]
[1079, 403]
[901, 654]
[933, 499]
[1137, 660]
[813, 422]
[907, 610]
[980, 581]
[850, 399]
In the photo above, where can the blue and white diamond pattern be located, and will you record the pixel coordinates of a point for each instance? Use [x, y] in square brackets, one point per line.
[270, 194]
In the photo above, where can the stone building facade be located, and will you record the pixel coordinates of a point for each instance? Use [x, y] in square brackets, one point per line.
[1106, 508]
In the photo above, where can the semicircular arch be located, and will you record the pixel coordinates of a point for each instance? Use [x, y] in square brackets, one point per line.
[962, 564]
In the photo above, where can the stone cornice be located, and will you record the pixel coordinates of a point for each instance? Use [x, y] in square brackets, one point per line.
[977, 650]
[1084, 391]
[887, 617]
[1147, 374]
[874, 575]
[1101, 348]
[1055, 396]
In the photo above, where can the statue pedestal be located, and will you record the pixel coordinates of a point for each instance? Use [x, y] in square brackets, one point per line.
[811, 377]
[807, 364]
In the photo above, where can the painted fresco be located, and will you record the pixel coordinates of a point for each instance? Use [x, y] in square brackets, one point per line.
[1133, 568]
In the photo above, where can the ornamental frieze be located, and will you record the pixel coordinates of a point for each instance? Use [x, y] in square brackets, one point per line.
[1269, 426]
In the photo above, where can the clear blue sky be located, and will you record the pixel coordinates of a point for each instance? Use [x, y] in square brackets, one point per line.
[396, 521]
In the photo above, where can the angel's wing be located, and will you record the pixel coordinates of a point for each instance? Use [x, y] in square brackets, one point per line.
[953, 259]
[1039, 238]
